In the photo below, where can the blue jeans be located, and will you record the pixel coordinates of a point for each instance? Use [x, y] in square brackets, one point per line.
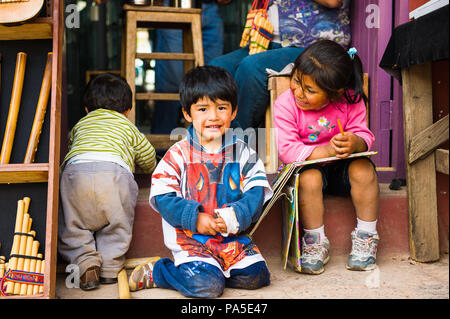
[168, 74]
[203, 280]
[250, 74]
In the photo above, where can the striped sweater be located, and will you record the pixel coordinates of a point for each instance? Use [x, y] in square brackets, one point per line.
[110, 132]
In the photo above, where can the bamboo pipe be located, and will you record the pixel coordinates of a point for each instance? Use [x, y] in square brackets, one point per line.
[34, 253]
[2, 266]
[38, 270]
[16, 242]
[124, 289]
[41, 288]
[14, 106]
[26, 204]
[26, 265]
[22, 247]
[40, 112]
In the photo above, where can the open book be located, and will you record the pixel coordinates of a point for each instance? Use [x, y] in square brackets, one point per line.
[285, 173]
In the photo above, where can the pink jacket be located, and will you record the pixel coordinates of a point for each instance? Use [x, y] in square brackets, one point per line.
[299, 132]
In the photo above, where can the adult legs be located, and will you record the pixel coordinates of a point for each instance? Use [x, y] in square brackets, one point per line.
[168, 74]
[251, 77]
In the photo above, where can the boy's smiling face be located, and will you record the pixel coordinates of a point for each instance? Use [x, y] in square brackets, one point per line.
[210, 120]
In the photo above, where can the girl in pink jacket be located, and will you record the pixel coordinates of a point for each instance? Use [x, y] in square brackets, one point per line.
[326, 85]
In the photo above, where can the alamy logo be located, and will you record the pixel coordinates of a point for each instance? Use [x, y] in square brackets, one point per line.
[73, 16]
[73, 279]
[373, 19]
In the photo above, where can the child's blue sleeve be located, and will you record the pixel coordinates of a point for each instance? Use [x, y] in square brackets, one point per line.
[177, 211]
[249, 207]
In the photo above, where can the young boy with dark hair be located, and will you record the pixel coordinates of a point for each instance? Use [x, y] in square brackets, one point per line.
[98, 190]
[209, 188]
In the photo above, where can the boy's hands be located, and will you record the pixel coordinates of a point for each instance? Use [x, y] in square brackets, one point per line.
[348, 143]
[208, 225]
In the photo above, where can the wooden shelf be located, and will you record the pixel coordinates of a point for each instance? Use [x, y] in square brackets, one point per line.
[24, 173]
[39, 28]
[158, 96]
[166, 56]
[38, 179]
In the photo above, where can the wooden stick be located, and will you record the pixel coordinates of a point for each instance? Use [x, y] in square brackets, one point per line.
[16, 242]
[38, 270]
[14, 106]
[34, 253]
[40, 112]
[22, 247]
[26, 265]
[124, 288]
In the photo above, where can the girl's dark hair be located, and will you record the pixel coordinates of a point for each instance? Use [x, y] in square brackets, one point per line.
[329, 64]
[108, 91]
[207, 81]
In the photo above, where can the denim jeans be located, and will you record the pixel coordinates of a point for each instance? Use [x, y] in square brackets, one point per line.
[203, 280]
[168, 74]
[250, 74]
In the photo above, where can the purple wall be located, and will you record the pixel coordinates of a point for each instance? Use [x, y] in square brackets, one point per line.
[385, 118]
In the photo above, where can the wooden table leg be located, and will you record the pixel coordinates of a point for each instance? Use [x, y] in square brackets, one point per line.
[420, 175]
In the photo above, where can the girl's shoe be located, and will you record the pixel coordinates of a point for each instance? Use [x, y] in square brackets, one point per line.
[142, 276]
[364, 251]
[314, 253]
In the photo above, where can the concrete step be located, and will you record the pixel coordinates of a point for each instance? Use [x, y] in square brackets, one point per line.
[339, 221]
[396, 277]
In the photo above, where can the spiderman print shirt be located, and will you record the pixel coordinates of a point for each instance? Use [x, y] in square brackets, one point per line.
[189, 180]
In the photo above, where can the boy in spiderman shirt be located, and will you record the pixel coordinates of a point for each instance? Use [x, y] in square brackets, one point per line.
[208, 188]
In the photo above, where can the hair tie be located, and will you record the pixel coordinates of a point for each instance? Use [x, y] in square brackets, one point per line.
[351, 52]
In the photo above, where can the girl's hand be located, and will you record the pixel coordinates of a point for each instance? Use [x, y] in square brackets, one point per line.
[346, 144]
[206, 224]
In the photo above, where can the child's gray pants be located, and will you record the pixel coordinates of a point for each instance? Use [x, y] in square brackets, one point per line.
[96, 221]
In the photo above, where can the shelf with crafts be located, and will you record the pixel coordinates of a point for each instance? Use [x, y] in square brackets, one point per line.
[30, 125]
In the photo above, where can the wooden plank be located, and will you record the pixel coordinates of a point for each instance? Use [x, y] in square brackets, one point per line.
[130, 53]
[428, 140]
[197, 43]
[442, 161]
[421, 176]
[162, 141]
[165, 56]
[158, 96]
[40, 28]
[159, 9]
[172, 17]
[54, 153]
[276, 85]
[23, 173]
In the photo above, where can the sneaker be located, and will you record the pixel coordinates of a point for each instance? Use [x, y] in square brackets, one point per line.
[314, 253]
[142, 276]
[90, 279]
[364, 251]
